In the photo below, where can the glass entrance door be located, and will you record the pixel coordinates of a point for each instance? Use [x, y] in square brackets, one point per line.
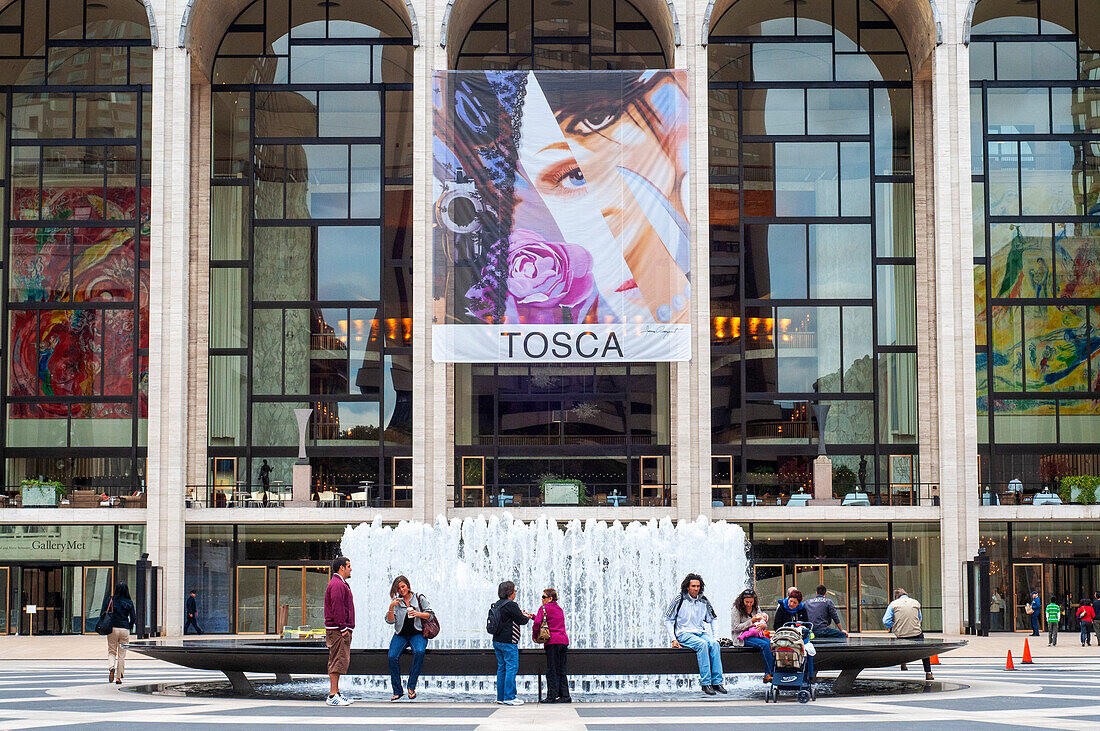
[302, 591]
[807, 577]
[1026, 577]
[771, 584]
[874, 596]
[51, 591]
[98, 586]
[5, 586]
[251, 600]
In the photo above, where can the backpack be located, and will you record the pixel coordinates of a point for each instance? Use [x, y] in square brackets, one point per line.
[493, 620]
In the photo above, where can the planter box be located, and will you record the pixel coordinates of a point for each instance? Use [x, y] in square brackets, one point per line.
[39, 497]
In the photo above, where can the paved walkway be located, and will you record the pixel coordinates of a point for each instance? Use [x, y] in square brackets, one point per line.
[1052, 693]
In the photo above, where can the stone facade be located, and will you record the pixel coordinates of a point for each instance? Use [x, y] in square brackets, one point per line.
[187, 35]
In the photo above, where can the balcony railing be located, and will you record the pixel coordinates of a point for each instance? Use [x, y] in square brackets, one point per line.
[365, 494]
[797, 494]
[86, 496]
[524, 495]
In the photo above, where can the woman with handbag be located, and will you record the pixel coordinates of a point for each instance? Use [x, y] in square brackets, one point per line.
[549, 629]
[116, 618]
[414, 623]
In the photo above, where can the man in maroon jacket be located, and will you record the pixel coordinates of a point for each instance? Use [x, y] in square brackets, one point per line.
[339, 622]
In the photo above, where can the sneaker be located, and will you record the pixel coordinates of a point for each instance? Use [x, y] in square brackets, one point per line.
[514, 702]
[337, 700]
[347, 701]
[500, 703]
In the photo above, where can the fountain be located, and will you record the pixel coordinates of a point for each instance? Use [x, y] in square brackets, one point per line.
[614, 581]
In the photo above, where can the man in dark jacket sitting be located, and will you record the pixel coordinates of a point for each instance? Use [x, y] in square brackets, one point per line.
[822, 613]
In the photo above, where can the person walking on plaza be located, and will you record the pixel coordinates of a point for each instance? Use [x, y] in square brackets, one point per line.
[1032, 609]
[557, 683]
[505, 619]
[822, 613]
[123, 618]
[1054, 618]
[406, 613]
[191, 609]
[903, 618]
[745, 616]
[339, 623]
[790, 609]
[689, 621]
[1085, 618]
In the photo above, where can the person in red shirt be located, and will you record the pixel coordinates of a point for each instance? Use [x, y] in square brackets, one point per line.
[339, 622]
[1085, 617]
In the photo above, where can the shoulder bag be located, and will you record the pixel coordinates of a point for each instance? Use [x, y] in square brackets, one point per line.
[103, 624]
[431, 624]
[543, 635]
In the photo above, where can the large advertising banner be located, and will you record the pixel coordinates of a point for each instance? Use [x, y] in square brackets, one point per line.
[561, 229]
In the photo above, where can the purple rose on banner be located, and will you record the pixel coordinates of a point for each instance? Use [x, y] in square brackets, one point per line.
[546, 276]
[544, 279]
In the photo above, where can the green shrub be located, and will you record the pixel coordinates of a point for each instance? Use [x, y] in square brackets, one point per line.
[58, 487]
[844, 477]
[1086, 486]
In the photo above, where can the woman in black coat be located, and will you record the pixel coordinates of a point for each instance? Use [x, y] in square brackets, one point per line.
[123, 617]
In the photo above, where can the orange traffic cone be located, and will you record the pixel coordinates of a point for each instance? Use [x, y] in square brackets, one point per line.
[1008, 663]
[934, 660]
[1027, 653]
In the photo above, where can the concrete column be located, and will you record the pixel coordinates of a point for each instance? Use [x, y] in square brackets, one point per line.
[696, 407]
[954, 384]
[169, 291]
[823, 478]
[433, 383]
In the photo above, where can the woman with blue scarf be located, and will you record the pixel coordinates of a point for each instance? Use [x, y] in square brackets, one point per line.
[792, 609]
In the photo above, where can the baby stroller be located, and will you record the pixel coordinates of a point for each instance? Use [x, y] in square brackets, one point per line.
[791, 666]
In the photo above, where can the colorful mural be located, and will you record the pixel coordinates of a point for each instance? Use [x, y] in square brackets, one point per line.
[84, 351]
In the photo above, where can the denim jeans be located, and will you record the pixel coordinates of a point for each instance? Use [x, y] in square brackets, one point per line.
[397, 646]
[828, 632]
[709, 654]
[507, 665]
[1086, 634]
[765, 646]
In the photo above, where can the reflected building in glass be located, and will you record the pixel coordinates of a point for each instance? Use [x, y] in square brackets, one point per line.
[219, 216]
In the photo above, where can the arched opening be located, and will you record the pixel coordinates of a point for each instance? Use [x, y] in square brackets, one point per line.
[310, 252]
[76, 78]
[1035, 142]
[812, 251]
[604, 428]
[202, 27]
[560, 34]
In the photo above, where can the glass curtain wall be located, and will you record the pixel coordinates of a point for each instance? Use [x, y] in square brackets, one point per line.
[813, 274]
[517, 427]
[74, 167]
[1035, 141]
[310, 245]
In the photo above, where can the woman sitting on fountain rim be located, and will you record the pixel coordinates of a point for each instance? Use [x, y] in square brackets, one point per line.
[405, 614]
[746, 615]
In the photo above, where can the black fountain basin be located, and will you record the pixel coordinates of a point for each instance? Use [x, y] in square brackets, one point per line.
[284, 658]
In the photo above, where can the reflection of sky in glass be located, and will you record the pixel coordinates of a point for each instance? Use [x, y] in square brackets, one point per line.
[348, 265]
[357, 413]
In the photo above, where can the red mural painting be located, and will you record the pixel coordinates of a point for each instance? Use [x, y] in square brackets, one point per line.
[84, 351]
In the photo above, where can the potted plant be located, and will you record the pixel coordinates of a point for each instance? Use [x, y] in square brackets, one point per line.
[41, 493]
[1079, 489]
[562, 490]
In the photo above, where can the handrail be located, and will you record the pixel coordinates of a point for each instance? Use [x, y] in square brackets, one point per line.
[530, 494]
[280, 493]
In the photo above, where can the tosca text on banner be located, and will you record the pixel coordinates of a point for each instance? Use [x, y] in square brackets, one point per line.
[560, 217]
